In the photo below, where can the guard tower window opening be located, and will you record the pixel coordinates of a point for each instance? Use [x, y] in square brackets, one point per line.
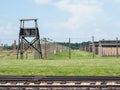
[28, 24]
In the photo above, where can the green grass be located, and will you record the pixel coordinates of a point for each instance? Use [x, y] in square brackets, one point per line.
[60, 67]
[81, 64]
[78, 55]
[75, 54]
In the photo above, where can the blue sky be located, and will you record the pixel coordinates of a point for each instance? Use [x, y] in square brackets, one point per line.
[61, 19]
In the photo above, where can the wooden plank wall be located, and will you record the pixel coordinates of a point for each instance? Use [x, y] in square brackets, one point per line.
[110, 51]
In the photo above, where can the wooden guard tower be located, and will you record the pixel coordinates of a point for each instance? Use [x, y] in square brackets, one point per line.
[28, 32]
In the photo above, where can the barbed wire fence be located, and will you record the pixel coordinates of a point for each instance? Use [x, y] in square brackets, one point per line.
[50, 47]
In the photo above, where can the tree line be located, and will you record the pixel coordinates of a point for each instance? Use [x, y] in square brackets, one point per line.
[75, 45]
[8, 47]
[72, 45]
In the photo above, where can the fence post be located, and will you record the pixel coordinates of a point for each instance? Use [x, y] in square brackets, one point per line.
[117, 46]
[93, 46]
[22, 48]
[45, 48]
[69, 48]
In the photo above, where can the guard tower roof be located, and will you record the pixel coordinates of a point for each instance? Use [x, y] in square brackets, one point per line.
[28, 19]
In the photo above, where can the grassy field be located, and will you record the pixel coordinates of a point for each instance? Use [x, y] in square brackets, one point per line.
[81, 64]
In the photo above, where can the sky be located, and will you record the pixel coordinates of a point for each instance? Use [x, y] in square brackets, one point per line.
[62, 19]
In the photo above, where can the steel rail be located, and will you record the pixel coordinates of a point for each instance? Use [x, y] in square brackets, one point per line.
[56, 86]
[14, 82]
[59, 78]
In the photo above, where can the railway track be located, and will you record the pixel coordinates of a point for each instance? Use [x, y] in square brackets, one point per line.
[59, 83]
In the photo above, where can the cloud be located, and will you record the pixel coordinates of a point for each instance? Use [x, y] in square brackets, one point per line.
[7, 29]
[118, 1]
[82, 11]
[42, 1]
[8, 33]
[82, 15]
